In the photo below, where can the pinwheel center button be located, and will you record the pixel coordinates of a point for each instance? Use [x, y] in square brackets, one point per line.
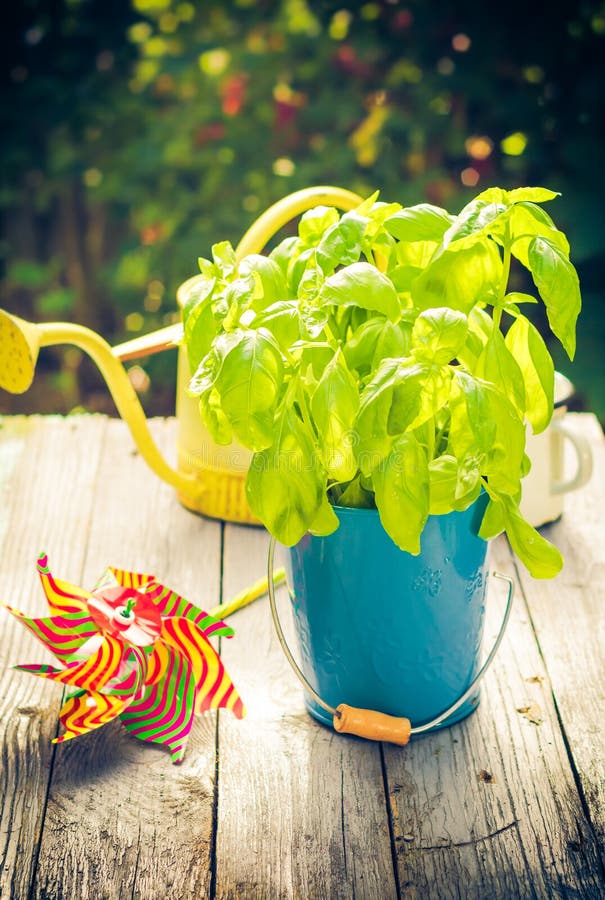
[124, 615]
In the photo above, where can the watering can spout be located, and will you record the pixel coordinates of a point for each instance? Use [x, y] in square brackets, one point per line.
[20, 342]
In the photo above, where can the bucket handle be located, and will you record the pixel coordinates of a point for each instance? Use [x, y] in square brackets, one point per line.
[369, 723]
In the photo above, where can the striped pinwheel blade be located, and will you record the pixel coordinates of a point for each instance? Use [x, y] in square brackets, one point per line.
[63, 598]
[214, 688]
[87, 710]
[136, 580]
[164, 715]
[63, 635]
[172, 605]
[112, 668]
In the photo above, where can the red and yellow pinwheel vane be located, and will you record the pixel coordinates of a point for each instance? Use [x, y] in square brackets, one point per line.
[132, 648]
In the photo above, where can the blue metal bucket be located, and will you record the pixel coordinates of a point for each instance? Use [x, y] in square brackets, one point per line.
[380, 629]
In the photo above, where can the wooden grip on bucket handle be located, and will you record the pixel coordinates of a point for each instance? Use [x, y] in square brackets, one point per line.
[372, 725]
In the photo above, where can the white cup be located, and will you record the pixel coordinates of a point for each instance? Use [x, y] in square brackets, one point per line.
[545, 485]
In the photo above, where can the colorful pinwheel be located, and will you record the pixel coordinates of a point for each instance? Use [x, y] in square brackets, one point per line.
[133, 648]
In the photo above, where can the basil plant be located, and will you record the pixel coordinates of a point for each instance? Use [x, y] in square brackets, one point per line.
[379, 359]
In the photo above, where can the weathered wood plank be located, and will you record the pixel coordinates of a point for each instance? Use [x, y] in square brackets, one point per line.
[489, 808]
[570, 624]
[46, 494]
[301, 810]
[121, 820]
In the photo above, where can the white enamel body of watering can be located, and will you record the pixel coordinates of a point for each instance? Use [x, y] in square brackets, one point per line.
[208, 479]
[546, 484]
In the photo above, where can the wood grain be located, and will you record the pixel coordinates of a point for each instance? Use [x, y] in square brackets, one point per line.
[301, 810]
[568, 615]
[122, 821]
[46, 504]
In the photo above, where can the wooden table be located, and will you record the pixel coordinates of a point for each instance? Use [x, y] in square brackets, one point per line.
[509, 803]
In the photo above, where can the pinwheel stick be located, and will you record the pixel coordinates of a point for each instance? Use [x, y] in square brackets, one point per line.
[253, 592]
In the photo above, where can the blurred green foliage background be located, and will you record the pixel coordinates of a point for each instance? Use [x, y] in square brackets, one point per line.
[136, 133]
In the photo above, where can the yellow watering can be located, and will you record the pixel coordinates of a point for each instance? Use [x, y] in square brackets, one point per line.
[209, 479]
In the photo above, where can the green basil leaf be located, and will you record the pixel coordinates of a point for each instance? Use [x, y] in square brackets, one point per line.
[471, 223]
[438, 335]
[423, 222]
[362, 285]
[558, 285]
[238, 296]
[285, 483]
[214, 418]
[485, 423]
[334, 406]
[471, 427]
[493, 522]
[282, 320]
[297, 267]
[403, 277]
[198, 321]
[326, 521]
[371, 423]
[498, 365]
[541, 558]
[516, 297]
[285, 253]
[401, 484]
[341, 244]
[311, 281]
[533, 194]
[443, 478]
[249, 384]
[526, 345]
[357, 496]
[460, 280]
[415, 253]
[315, 222]
[204, 378]
[393, 341]
[504, 463]
[223, 255]
[520, 224]
[375, 340]
[270, 276]
[421, 390]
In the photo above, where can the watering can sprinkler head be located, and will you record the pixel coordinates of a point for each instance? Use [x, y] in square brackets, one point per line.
[19, 345]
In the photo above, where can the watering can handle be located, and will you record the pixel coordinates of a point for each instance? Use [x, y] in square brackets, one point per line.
[279, 214]
[369, 723]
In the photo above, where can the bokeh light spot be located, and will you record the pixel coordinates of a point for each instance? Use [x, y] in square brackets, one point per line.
[139, 379]
[139, 32]
[461, 42]
[533, 74]
[514, 144]
[92, 177]
[445, 66]
[283, 167]
[479, 146]
[134, 321]
[469, 177]
[214, 62]
[339, 26]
